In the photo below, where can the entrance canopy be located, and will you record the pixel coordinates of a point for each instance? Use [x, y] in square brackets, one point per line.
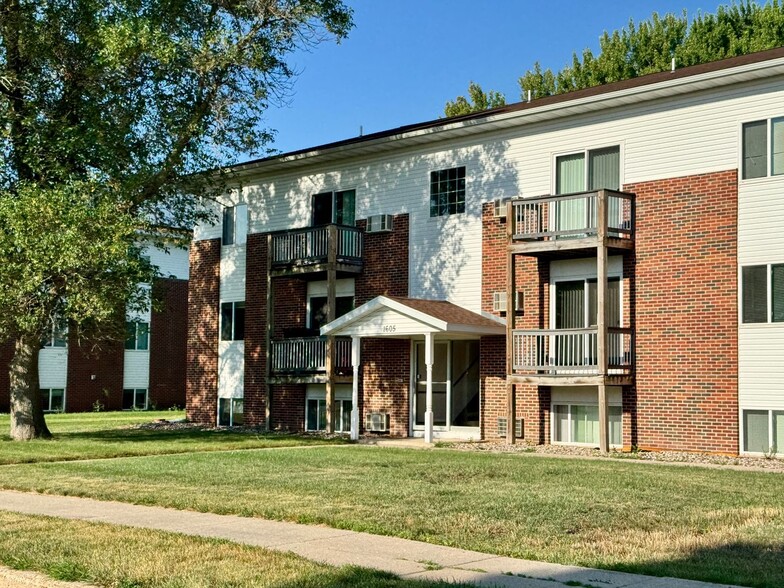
[405, 318]
[385, 316]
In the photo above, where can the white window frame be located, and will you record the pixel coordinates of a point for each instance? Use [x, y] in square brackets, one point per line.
[49, 342]
[334, 216]
[769, 293]
[137, 324]
[135, 392]
[239, 229]
[742, 430]
[231, 401]
[447, 214]
[319, 395]
[570, 404]
[344, 288]
[585, 278]
[48, 408]
[768, 149]
[234, 304]
[586, 151]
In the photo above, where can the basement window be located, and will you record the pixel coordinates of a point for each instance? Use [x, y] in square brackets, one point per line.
[53, 399]
[231, 412]
[763, 431]
[578, 424]
[134, 399]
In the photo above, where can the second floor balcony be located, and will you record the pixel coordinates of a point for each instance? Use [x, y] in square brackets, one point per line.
[572, 221]
[552, 356]
[313, 249]
[307, 356]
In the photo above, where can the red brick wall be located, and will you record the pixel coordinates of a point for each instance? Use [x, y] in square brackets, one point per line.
[685, 314]
[255, 329]
[168, 343]
[385, 263]
[532, 276]
[291, 303]
[288, 407]
[385, 384]
[94, 375]
[203, 300]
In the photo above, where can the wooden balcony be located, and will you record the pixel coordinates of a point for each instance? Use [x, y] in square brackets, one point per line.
[571, 222]
[316, 249]
[307, 356]
[569, 357]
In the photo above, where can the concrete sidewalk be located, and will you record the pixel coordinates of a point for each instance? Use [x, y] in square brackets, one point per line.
[409, 559]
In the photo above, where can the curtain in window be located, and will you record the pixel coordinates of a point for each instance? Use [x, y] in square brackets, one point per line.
[777, 146]
[570, 177]
[755, 149]
[570, 305]
[604, 172]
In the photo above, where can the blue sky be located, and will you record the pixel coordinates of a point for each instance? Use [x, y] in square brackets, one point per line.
[406, 58]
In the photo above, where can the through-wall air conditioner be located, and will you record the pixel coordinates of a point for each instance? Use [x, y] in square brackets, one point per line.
[499, 301]
[379, 223]
[502, 427]
[377, 422]
[499, 207]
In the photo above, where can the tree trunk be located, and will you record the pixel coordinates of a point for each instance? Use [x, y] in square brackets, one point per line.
[27, 415]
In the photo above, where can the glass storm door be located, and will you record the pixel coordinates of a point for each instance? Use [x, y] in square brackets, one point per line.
[440, 384]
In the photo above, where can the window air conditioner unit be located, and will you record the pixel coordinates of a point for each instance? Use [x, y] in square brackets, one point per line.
[499, 207]
[499, 301]
[502, 427]
[379, 223]
[377, 422]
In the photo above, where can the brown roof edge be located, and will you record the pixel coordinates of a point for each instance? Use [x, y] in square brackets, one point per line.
[446, 311]
[645, 80]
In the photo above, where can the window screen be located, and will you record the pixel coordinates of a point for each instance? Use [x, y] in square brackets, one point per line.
[755, 149]
[755, 294]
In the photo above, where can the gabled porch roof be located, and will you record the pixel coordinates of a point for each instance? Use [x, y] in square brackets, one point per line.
[386, 316]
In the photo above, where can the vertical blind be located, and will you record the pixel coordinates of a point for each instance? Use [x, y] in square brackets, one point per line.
[777, 146]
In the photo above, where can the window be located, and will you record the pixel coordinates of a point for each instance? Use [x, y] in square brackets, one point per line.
[134, 399]
[578, 423]
[58, 336]
[763, 431]
[230, 412]
[53, 399]
[604, 171]
[447, 191]
[316, 412]
[763, 293]
[233, 321]
[137, 336]
[760, 138]
[318, 309]
[334, 208]
[235, 225]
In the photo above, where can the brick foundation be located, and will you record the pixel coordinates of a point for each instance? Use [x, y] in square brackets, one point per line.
[386, 375]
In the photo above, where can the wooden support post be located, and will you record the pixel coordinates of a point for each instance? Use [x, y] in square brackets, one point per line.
[332, 262]
[601, 320]
[268, 339]
[511, 314]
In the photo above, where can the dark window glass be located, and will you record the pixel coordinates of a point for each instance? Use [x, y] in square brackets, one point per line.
[226, 321]
[127, 399]
[344, 207]
[57, 401]
[142, 336]
[604, 169]
[228, 225]
[755, 151]
[447, 191]
[755, 294]
[44, 399]
[237, 412]
[322, 209]
[777, 290]
[319, 308]
[224, 412]
[239, 321]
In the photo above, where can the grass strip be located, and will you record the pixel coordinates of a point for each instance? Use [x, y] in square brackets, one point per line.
[111, 434]
[706, 524]
[124, 557]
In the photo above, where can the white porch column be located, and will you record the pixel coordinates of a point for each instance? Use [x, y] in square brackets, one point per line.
[355, 346]
[429, 388]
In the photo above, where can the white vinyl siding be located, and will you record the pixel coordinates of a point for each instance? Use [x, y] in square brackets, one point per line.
[53, 367]
[171, 264]
[136, 370]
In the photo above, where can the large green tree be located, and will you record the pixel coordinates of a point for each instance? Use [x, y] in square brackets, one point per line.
[477, 101]
[107, 112]
[649, 47]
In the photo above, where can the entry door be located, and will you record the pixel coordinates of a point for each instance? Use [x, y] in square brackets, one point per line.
[440, 384]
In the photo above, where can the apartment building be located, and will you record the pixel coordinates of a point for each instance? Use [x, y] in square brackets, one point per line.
[145, 371]
[602, 268]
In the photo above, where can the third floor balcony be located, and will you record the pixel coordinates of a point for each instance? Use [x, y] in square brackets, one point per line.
[584, 220]
[315, 249]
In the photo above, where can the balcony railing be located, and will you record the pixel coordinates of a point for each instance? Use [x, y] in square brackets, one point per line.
[308, 355]
[312, 245]
[566, 352]
[572, 216]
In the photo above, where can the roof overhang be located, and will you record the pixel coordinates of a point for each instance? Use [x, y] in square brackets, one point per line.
[736, 70]
[404, 318]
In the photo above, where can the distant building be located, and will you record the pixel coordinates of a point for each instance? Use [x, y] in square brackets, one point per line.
[604, 267]
[147, 370]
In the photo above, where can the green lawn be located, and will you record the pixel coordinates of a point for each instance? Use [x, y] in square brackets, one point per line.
[113, 556]
[109, 434]
[708, 524]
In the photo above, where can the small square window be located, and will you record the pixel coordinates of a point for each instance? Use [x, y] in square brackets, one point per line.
[137, 336]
